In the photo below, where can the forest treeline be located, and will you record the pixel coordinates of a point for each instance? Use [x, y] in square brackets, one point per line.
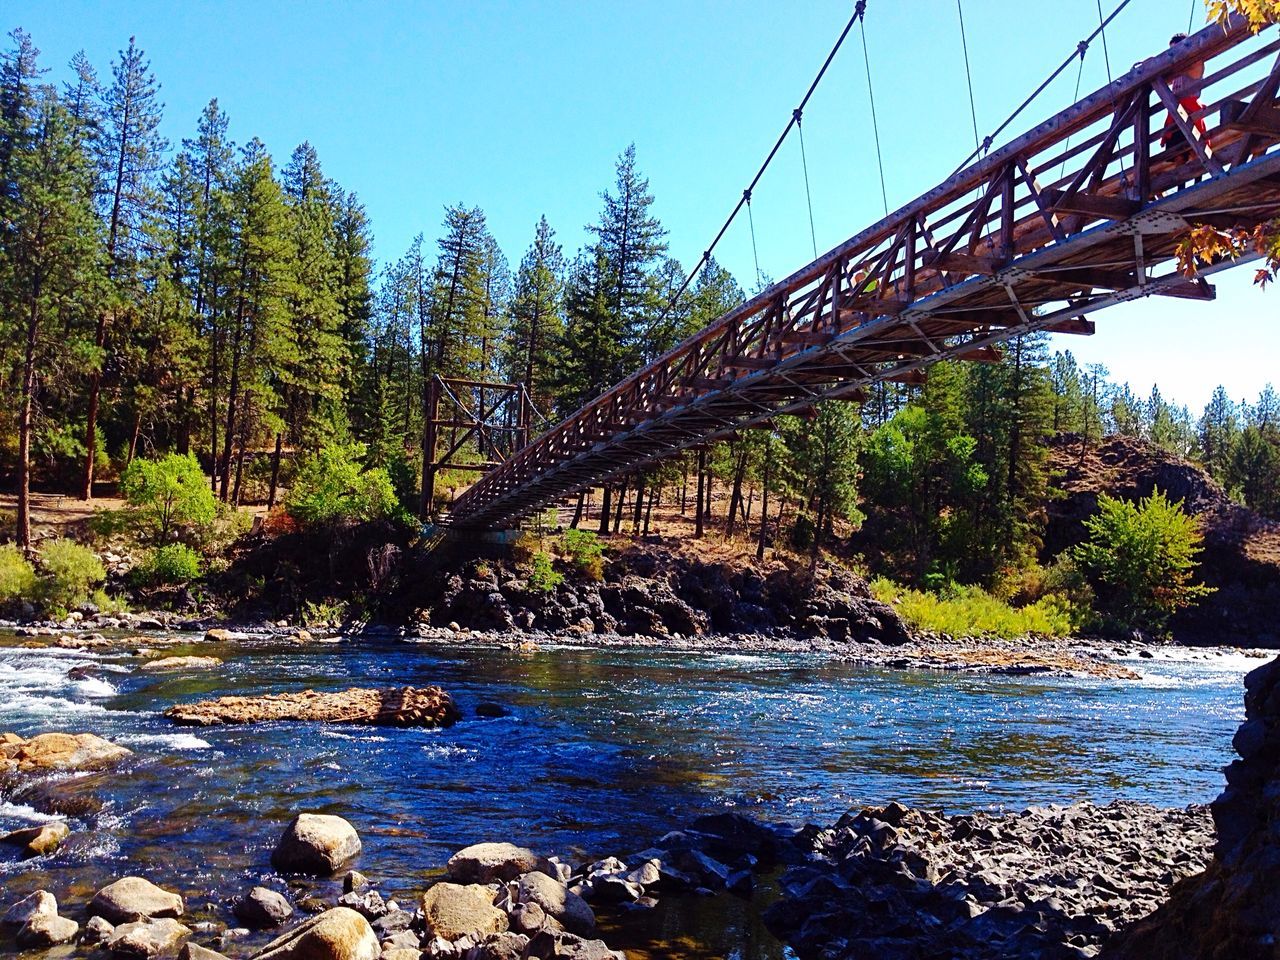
[202, 298]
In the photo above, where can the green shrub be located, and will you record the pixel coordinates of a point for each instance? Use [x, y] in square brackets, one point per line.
[168, 493]
[1143, 557]
[332, 486]
[585, 552]
[17, 576]
[171, 564]
[107, 604]
[525, 548]
[965, 611]
[70, 573]
[544, 577]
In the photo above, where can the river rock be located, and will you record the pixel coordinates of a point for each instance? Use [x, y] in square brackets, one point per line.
[354, 881]
[48, 752]
[45, 930]
[97, 930]
[316, 843]
[175, 664]
[193, 951]
[450, 911]
[557, 901]
[40, 840]
[148, 938]
[39, 904]
[491, 863]
[337, 934]
[132, 899]
[499, 946]
[390, 707]
[263, 908]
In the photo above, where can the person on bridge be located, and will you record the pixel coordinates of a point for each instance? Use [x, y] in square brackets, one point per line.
[1186, 86]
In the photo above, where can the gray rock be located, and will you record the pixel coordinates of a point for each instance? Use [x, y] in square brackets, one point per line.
[316, 843]
[40, 840]
[499, 946]
[354, 882]
[193, 951]
[97, 930]
[45, 930]
[492, 863]
[529, 918]
[133, 898]
[39, 904]
[149, 938]
[557, 901]
[263, 908]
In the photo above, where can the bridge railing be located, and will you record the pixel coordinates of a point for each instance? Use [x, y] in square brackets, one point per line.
[1021, 238]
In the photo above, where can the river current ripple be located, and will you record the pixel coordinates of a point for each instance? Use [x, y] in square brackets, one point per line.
[602, 752]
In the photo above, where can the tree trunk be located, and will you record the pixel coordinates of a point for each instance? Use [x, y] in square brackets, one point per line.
[764, 502]
[622, 500]
[638, 512]
[275, 470]
[133, 437]
[232, 396]
[648, 513]
[702, 479]
[91, 418]
[577, 510]
[605, 513]
[24, 424]
[735, 498]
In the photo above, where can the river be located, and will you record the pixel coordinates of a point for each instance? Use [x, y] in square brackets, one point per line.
[602, 752]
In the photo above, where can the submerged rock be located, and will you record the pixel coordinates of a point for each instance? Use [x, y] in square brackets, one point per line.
[131, 899]
[337, 934]
[316, 843]
[175, 664]
[48, 752]
[38, 841]
[391, 707]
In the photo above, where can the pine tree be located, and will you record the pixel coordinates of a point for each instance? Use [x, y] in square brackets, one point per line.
[50, 256]
[1219, 430]
[537, 323]
[131, 150]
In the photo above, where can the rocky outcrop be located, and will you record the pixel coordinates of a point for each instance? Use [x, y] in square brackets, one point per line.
[132, 899]
[316, 843]
[337, 934]
[1232, 910]
[1055, 882]
[659, 589]
[61, 752]
[390, 707]
[1241, 558]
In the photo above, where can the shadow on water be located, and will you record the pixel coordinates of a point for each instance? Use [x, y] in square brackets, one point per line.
[602, 752]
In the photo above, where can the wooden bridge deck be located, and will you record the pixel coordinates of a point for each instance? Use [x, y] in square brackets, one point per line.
[1085, 211]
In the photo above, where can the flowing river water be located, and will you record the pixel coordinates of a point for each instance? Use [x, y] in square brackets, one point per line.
[602, 751]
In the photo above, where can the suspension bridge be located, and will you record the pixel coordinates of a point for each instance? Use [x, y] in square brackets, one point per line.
[1082, 212]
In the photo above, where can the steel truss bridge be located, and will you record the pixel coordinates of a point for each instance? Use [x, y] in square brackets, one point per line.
[1084, 211]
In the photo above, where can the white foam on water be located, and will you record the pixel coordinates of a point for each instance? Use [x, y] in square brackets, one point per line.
[95, 687]
[174, 741]
[20, 811]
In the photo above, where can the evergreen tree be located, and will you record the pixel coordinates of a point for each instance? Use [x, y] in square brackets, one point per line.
[537, 321]
[131, 150]
[1219, 430]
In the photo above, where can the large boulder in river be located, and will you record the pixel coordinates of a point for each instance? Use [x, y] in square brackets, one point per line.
[39, 904]
[491, 862]
[132, 898]
[337, 934]
[180, 664]
[44, 930]
[450, 911]
[557, 901]
[390, 707]
[49, 752]
[316, 843]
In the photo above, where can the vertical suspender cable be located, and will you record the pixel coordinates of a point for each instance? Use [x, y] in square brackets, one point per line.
[804, 162]
[1191, 20]
[755, 254]
[1106, 54]
[964, 44]
[875, 126]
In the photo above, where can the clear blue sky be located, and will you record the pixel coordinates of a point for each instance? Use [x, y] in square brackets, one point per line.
[522, 108]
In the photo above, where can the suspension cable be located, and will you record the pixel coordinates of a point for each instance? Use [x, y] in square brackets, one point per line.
[804, 162]
[1106, 53]
[1191, 20]
[755, 254]
[858, 13]
[1075, 97]
[964, 44]
[986, 143]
